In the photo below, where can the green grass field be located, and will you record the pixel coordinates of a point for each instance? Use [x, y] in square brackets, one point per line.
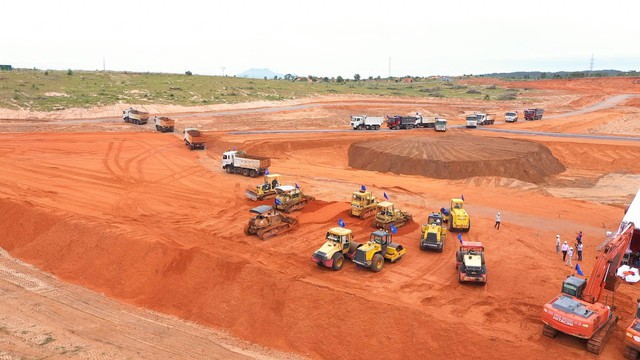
[57, 90]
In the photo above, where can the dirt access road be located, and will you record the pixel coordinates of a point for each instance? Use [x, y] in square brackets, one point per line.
[134, 215]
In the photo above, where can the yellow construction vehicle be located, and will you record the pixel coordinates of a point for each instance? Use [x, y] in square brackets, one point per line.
[379, 247]
[387, 215]
[267, 222]
[458, 217]
[363, 204]
[265, 190]
[338, 245]
[433, 233]
[290, 198]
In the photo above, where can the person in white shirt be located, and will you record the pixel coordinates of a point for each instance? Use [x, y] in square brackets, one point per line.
[579, 249]
[497, 225]
[557, 243]
[564, 248]
[570, 256]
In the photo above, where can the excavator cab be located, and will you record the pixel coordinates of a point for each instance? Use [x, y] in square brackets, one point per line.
[574, 286]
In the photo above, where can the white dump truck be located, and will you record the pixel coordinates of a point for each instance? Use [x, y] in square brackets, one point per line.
[362, 122]
[134, 116]
[511, 116]
[239, 162]
[476, 119]
[164, 124]
[193, 139]
[441, 124]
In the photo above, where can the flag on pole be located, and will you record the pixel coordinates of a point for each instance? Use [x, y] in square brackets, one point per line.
[341, 223]
[579, 270]
[460, 238]
[363, 188]
[278, 202]
[462, 197]
[393, 229]
[386, 196]
[266, 172]
[297, 186]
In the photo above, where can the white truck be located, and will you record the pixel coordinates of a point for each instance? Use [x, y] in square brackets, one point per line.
[441, 124]
[511, 116]
[425, 122]
[193, 139]
[134, 116]
[480, 119]
[239, 162]
[362, 122]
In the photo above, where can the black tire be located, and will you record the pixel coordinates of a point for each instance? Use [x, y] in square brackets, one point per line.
[253, 173]
[245, 172]
[377, 262]
[191, 147]
[158, 128]
[338, 261]
[458, 256]
[376, 127]
[229, 170]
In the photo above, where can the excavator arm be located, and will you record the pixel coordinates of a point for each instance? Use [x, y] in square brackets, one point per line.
[607, 263]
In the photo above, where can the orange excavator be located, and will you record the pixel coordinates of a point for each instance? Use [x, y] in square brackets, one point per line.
[577, 311]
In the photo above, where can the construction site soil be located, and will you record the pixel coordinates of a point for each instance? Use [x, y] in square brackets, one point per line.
[457, 157]
[134, 215]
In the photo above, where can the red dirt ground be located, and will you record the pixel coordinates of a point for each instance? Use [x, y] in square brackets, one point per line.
[137, 216]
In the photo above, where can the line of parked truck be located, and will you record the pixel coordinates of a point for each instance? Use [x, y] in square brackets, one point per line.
[475, 119]
[364, 122]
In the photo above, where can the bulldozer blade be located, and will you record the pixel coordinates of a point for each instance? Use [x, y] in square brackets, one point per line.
[251, 195]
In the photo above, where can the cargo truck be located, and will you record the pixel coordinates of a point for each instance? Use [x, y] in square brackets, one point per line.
[441, 124]
[511, 116]
[164, 124]
[362, 122]
[533, 114]
[193, 139]
[134, 116]
[425, 122]
[239, 162]
[401, 122]
[480, 119]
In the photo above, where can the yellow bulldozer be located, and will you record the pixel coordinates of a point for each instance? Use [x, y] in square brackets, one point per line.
[290, 198]
[268, 222]
[433, 233]
[363, 204]
[379, 247]
[387, 215]
[265, 190]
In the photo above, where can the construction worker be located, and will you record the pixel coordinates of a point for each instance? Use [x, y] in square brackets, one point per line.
[579, 237]
[564, 249]
[497, 225]
[557, 243]
[579, 249]
[569, 256]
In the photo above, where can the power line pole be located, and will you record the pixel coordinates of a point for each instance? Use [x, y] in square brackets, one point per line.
[104, 64]
[591, 67]
[222, 68]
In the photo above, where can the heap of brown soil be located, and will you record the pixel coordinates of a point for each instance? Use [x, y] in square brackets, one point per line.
[459, 157]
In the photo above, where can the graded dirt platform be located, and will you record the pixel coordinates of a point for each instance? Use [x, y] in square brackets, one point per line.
[138, 217]
[457, 157]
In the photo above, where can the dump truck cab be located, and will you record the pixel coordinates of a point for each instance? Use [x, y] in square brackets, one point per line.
[265, 190]
[458, 217]
[363, 204]
[433, 233]
[339, 243]
[470, 262]
[441, 124]
[379, 247]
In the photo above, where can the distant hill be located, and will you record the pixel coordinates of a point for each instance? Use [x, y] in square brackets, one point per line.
[259, 74]
[559, 74]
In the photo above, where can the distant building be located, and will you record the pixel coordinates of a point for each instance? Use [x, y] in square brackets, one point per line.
[407, 80]
[5, 68]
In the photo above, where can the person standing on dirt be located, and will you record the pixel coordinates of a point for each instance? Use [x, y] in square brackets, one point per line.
[564, 248]
[579, 250]
[497, 225]
[579, 237]
[570, 256]
[558, 244]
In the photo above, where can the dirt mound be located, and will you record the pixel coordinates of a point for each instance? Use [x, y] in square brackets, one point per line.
[459, 157]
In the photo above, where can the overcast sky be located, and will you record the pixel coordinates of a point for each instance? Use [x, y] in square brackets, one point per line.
[324, 38]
